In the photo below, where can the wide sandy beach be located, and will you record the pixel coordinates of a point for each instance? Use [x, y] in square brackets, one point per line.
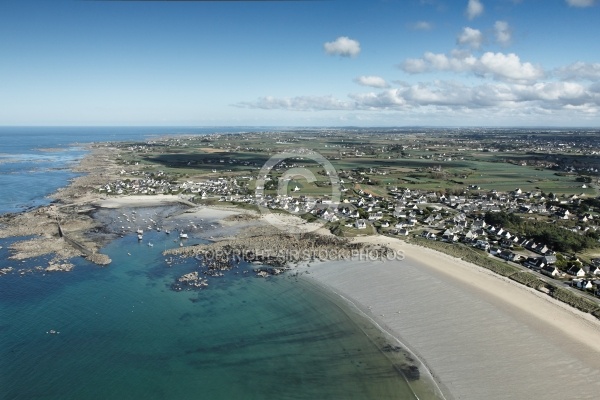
[482, 336]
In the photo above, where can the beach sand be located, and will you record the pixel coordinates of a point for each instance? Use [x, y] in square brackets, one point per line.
[482, 336]
[137, 201]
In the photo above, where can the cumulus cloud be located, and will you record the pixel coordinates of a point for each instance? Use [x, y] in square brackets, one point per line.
[562, 93]
[508, 66]
[422, 26]
[499, 66]
[415, 66]
[579, 71]
[499, 99]
[580, 3]
[470, 37]
[496, 97]
[474, 9]
[342, 46]
[372, 81]
[503, 33]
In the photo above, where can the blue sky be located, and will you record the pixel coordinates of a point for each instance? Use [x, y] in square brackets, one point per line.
[300, 63]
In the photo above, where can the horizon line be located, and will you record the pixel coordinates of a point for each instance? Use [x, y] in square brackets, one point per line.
[303, 126]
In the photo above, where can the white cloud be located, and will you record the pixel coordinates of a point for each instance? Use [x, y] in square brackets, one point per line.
[422, 26]
[343, 46]
[508, 66]
[580, 3]
[499, 66]
[298, 103]
[496, 97]
[503, 33]
[372, 81]
[474, 9]
[470, 37]
[579, 71]
[415, 66]
[387, 99]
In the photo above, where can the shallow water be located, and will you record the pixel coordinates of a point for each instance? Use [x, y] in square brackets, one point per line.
[125, 334]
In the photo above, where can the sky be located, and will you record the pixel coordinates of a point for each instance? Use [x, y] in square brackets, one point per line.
[300, 63]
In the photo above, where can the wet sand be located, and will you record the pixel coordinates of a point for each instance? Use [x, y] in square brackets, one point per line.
[482, 336]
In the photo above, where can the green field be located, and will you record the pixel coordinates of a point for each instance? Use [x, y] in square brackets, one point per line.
[373, 162]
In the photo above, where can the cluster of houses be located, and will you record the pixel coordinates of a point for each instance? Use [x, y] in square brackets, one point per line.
[158, 183]
[440, 217]
[436, 216]
[148, 184]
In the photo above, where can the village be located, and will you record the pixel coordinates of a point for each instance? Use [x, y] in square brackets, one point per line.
[409, 213]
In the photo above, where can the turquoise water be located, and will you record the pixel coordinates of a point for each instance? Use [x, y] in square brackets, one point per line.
[125, 334]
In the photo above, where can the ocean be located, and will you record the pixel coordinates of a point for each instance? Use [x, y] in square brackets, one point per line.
[35, 161]
[121, 332]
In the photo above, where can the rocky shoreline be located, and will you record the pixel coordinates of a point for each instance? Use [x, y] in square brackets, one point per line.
[62, 230]
[278, 250]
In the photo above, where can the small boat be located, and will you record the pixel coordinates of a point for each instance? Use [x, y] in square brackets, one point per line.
[139, 231]
[183, 235]
[180, 244]
[167, 231]
[140, 236]
[150, 244]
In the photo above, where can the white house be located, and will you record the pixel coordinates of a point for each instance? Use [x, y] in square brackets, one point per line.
[403, 232]
[595, 270]
[582, 283]
[550, 270]
[361, 224]
[576, 271]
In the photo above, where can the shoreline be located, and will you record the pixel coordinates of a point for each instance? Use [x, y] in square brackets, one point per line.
[475, 338]
[565, 331]
[61, 230]
[469, 273]
[430, 383]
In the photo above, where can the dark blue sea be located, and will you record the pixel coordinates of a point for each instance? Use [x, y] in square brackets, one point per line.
[121, 332]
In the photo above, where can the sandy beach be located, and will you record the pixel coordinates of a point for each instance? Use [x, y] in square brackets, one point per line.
[481, 336]
[137, 201]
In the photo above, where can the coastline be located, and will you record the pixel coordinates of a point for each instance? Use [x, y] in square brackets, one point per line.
[429, 281]
[481, 336]
[428, 386]
[61, 229]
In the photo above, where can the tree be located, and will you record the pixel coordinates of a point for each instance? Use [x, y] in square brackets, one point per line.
[362, 213]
